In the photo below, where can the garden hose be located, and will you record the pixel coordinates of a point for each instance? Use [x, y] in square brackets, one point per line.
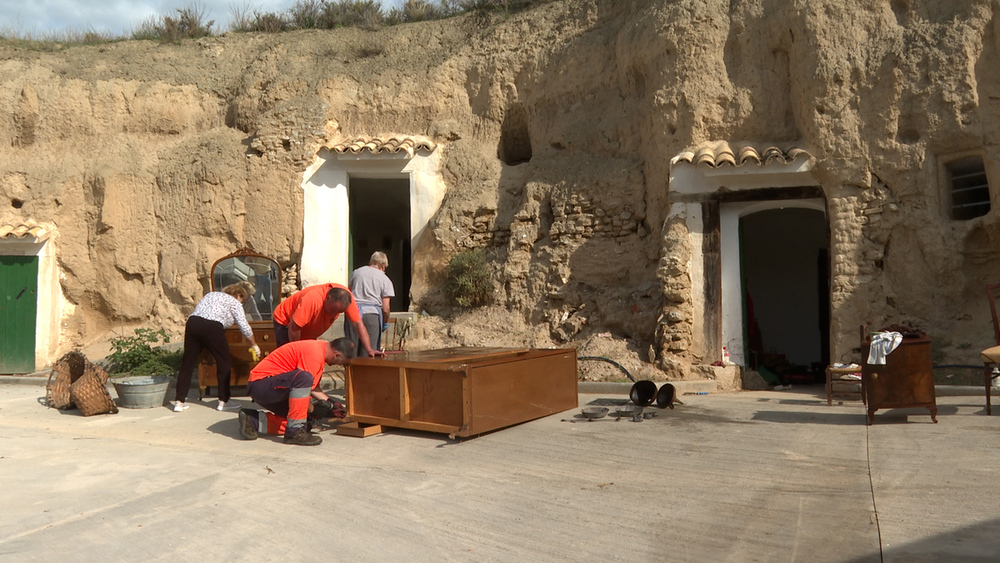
[612, 362]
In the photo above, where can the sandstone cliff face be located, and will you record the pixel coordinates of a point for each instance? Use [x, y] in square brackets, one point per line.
[556, 127]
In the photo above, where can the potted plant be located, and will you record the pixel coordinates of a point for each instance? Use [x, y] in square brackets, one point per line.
[140, 370]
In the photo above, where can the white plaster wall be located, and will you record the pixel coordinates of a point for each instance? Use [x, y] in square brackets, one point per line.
[325, 242]
[49, 305]
[325, 228]
[686, 178]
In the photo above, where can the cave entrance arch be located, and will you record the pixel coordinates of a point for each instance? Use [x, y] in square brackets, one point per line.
[366, 194]
[380, 221]
[780, 267]
[711, 187]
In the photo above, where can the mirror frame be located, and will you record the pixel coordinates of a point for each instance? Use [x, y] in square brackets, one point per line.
[246, 252]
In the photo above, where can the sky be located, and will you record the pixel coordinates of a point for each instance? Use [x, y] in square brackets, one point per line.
[119, 17]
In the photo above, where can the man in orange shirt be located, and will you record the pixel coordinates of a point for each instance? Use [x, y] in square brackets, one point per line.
[309, 312]
[284, 381]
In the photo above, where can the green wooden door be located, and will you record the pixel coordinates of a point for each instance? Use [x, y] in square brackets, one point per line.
[18, 303]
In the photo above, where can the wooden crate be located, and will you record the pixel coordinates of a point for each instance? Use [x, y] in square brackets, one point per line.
[461, 391]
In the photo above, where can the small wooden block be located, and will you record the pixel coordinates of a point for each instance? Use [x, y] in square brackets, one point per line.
[359, 430]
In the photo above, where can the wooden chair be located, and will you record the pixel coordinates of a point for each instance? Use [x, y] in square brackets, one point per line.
[991, 356]
[394, 338]
[836, 376]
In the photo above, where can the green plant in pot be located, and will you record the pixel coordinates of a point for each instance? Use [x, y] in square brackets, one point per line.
[140, 370]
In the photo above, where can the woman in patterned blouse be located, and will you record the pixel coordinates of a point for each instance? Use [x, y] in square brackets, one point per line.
[205, 328]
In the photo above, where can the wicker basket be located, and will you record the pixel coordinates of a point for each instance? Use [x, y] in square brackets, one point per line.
[91, 395]
[65, 372]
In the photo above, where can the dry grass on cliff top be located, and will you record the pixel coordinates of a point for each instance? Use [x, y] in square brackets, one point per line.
[192, 22]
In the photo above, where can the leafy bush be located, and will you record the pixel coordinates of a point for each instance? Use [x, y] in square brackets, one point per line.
[470, 282]
[138, 355]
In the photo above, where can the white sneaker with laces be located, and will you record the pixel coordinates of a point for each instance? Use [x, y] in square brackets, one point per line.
[180, 406]
[229, 405]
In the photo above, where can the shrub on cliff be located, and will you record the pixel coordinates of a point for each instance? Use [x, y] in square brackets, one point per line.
[470, 282]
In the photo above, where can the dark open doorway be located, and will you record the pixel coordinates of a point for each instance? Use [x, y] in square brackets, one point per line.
[785, 257]
[380, 220]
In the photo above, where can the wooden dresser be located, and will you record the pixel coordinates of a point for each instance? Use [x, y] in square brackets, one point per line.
[906, 380]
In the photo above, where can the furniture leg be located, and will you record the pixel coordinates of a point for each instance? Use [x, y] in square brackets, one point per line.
[987, 371]
[829, 387]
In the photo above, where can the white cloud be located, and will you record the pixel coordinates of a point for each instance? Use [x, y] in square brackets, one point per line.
[118, 17]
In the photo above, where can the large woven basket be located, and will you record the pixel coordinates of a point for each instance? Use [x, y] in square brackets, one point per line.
[90, 394]
[77, 382]
[65, 371]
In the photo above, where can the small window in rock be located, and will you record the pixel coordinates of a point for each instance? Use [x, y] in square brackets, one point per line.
[969, 188]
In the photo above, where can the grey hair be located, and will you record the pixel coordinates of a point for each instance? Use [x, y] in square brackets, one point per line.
[379, 259]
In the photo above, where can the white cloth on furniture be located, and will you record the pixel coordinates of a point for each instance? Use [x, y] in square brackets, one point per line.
[883, 343]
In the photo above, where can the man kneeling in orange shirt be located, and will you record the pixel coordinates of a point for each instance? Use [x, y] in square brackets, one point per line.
[284, 381]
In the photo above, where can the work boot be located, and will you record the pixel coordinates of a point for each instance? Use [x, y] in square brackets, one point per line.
[302, 437]
[248, 424]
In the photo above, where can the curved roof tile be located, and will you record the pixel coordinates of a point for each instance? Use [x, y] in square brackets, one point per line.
[388, 145]
[28, 229]
[718, 153]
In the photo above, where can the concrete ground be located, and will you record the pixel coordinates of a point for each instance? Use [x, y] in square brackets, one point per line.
[749, 476]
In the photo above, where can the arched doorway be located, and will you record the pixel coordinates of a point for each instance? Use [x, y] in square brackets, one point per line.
[784, 275]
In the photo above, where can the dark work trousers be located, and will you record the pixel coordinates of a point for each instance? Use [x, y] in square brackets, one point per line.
[200, 334]
[286, 395]
[280, 334]
[372, 322]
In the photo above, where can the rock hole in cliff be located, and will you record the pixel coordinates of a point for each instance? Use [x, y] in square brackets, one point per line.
[908, 136]
[16, 203]
[515, 142]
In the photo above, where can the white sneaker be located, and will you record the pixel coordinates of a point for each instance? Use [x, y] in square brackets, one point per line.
[229, 405]
[180, 406]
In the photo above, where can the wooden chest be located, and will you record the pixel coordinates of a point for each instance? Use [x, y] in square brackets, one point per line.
[461, 391]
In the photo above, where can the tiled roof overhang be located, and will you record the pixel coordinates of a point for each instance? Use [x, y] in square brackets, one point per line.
[389, 145]
[717, 153]
[26, 231]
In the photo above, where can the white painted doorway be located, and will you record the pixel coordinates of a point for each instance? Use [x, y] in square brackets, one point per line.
[416, 188]
[775, 283]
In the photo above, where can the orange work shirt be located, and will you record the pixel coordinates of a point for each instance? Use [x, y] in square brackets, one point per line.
[308, 355]
[305, 308]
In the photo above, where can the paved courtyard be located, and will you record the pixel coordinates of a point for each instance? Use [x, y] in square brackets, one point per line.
[749, 476]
